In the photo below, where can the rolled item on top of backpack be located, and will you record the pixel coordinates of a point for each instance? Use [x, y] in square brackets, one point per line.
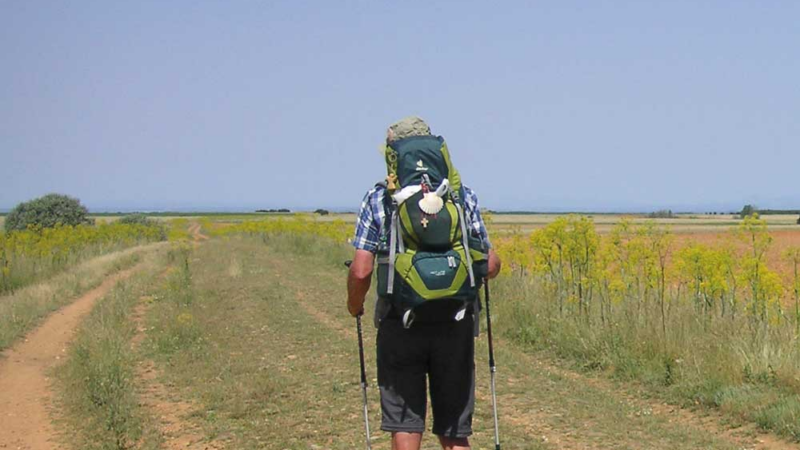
[404, 194]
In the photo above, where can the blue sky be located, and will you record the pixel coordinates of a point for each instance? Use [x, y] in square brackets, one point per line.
[556, 105]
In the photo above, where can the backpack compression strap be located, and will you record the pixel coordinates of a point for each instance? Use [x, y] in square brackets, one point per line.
[392, 251]
[395, 245]
[465, 238]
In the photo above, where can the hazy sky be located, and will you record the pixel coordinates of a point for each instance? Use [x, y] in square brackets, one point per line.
[257, 104]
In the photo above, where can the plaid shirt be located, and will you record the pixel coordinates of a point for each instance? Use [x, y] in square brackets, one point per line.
[372, 216]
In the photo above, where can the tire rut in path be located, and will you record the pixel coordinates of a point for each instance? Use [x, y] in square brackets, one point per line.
[708, 422]
[25, 395]
[167, 411]
[197, 235]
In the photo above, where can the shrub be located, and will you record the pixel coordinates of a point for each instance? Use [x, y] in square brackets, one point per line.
[136, 219]
[747, 210]
[281, 210]
[143, 220]
[47, 212]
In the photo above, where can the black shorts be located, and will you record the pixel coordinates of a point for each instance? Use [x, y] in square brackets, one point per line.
[442, 352]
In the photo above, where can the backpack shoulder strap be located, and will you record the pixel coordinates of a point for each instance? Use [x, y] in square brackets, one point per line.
[459, 196]
[387, 199]
[388, 206]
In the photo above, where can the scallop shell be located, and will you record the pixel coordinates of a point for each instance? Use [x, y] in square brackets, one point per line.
[431, 203]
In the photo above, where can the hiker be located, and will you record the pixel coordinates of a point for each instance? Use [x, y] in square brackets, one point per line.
[433, 253]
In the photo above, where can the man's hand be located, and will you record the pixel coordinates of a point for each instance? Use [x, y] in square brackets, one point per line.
[358, 281]
[355, 312]
[494, 264]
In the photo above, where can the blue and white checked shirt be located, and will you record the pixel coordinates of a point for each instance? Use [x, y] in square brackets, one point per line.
[371, 218]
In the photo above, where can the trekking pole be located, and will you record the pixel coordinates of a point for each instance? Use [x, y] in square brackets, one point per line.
[363, 380]
[492, 367]
[363, 373]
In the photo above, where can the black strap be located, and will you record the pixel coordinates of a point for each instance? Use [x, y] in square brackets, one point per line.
[388, 205]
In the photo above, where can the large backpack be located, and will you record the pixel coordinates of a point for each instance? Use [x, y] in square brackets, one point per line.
[429, 266]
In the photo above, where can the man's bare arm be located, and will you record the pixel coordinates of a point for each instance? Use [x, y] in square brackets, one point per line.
[358, 281]
[494, 264]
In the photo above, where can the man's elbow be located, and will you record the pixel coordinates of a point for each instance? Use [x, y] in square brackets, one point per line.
[361, 267]
[361, 273]
[494, 264]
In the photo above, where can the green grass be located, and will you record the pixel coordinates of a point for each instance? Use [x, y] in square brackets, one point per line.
[96, 387]
[253, 333]
[259, 338]
[23, 309]
[750, 376]
[225, 342]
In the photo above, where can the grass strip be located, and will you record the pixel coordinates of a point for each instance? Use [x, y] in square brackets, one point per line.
[96, 387]
[24, 309]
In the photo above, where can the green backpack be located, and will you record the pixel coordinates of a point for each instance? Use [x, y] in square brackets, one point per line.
[429, 266]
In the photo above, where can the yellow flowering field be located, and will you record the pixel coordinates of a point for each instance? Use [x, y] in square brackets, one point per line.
[33, 253]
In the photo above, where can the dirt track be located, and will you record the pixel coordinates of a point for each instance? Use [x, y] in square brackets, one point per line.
[197, 235]
[25, 394]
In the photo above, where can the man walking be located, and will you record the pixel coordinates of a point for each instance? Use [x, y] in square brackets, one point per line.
[433, 251]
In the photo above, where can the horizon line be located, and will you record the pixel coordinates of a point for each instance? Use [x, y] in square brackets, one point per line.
[239, 210]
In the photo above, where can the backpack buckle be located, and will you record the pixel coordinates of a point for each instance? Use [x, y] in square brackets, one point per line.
[408, 319]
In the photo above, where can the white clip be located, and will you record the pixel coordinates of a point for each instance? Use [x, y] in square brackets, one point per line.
[408, 319]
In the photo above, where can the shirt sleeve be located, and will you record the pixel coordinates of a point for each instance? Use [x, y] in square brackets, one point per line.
[473, 211]
[367, 231]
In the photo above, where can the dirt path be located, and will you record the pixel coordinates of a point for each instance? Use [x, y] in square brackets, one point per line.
[24, 384]
[197, 235]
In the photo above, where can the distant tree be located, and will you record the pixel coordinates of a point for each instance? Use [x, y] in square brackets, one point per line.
[747, 210]
[47, 212]
[798, 220]
[322, 212]
[282, 210]
[661, 214]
